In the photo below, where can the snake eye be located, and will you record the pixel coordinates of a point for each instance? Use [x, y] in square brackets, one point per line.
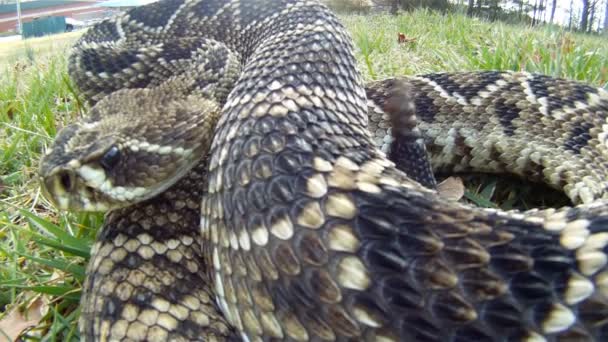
[110, 158]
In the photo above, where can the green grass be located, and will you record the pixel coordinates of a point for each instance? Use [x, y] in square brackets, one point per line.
[455, 42]
[43, 253]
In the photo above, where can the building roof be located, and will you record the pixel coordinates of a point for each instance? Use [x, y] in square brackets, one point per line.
[125, 3]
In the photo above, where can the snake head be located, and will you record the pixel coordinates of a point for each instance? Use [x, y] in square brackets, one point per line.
[133, 145]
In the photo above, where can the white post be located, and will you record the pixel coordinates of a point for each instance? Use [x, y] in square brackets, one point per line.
[20, 24]
[606, 19]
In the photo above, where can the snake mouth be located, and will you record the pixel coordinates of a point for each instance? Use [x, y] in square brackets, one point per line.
[44, 188]
[56, 188]
[66, 192]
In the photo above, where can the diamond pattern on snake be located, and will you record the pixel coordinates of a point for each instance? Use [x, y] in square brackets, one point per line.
[256, 189]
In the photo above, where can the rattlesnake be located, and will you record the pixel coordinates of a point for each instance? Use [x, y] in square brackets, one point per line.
[307, 231]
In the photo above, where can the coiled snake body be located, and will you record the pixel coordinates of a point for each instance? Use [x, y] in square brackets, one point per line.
[307, 231]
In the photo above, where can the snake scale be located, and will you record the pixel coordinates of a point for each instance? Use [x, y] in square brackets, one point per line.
[244, 166]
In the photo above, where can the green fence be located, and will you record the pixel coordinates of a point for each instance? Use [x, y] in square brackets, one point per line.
[43, 26]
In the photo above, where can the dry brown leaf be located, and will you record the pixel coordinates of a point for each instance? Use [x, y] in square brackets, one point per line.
[451, 189]
[403, 39]
[15, 322]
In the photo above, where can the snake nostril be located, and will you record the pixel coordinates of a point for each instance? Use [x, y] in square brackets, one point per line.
[66, 178]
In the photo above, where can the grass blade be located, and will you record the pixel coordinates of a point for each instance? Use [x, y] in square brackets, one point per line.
[81, 252]
[77, 270]
[52, 229]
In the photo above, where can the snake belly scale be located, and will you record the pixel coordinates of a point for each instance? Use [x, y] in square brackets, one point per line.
[244, 166]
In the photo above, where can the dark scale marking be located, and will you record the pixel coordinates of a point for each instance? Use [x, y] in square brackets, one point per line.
[603, 333]
[399, 294]
[142, 296]
[411, 157]
[594, 311]
[481, 284]
[468, 91]
[559, 92]
[311, 250]
[251, 11]
[539, 86]
[425, 107]
[255, 195]
[576, 334]
[105, 32]
[384, 258]
[284, 296]
[222, 28]
[376, 93]
[418, 328]
[157, 14]
[192, 331]
[183, 49]
[530, 287]
[579, 92]
[111, 306]
[551, 260]
[109, 63]
[207, 7]
[598, 225]
[579, 136]
[507, 111]
[471, 334]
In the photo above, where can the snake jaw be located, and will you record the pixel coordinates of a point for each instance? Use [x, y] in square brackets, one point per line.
[73, 186]
[66, 191]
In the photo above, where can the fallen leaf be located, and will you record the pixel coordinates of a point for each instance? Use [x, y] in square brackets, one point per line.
[16, 321]
[451, 189]
[402, 39]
